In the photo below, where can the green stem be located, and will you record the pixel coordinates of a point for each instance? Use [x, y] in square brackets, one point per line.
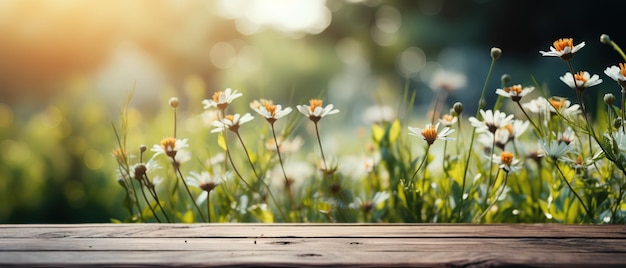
[420, 166]
[574, 192]
[482, 215]
[193, 200]
[469, 152]
[537, 130]
[618, 49]
[319, 141]
[282, 167]
[208, 206]
[232, 163]
[148, 203]
[155, 196]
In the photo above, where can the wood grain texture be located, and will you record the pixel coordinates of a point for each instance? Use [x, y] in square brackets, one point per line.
[304, 245]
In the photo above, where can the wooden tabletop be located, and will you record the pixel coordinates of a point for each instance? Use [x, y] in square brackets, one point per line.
[306, 245]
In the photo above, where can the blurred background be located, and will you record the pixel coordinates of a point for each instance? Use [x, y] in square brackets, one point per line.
[67, 65]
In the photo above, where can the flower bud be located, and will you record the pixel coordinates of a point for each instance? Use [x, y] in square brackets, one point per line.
[458, 108]
[617, 123]
[505, 79]
[605, 39]
[496, 53]
[142, 148]
[609, 98]
[174, 102]
[482, 103]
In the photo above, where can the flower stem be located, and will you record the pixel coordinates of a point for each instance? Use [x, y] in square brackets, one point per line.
[623, 112]
[154, 195]
[618, 49]
[182, 178]
[245, 149]
[469, 152]
[421, 164]
[232, 163]
[282, 167]
[148, 203]
[319, 141]
[537, 130]
[208, 206]
[573, 191]
[482, 215]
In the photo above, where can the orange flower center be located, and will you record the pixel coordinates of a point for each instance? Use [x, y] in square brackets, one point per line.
[580, 76]
[579, 160]
[517, 89]
[509, 127]
[447, 118]
[622, 69]
[430, 134]
[216, 96]
[169, 145]
[271, 108]
[315, 103]
[230, 118]
[506, 158]
[557, 103]
[562, 43]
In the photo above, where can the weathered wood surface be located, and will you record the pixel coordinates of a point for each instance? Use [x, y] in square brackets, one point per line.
[302, 245]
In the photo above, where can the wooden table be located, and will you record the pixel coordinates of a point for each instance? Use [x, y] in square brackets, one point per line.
[302, 245]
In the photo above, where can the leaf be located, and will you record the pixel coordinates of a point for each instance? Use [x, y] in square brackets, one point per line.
[263, 214]
[394, 131]
[377, 133]
[188, 217]
[221, 141]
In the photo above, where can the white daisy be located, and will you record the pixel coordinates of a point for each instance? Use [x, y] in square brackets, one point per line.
[170, 147]
[492, 120]
[221, 99]
[431, 133]
[447, 80]
[506, 161]
[515, 92]
[580, 80]
[555, 149]
[563, 48]
[271, 112]
[231, 122]
[205, 181]
[314, 111]
[617, 73]
[448, 120]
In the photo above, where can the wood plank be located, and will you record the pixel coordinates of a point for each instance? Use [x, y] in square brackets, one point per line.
[567, 245]
[313, 245]
[313, 230]
[305, 259]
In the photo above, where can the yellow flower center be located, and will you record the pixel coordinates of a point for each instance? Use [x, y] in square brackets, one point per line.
[169, 145]
[230, 118]
[315, 103]
[517, 89]
[430, 134]
[271, 108]
[506, 158]
[562, 43]
[509, 127]
[622, 69]
[558, 103]
[447, 118]
[216, 96]
[580, 76]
